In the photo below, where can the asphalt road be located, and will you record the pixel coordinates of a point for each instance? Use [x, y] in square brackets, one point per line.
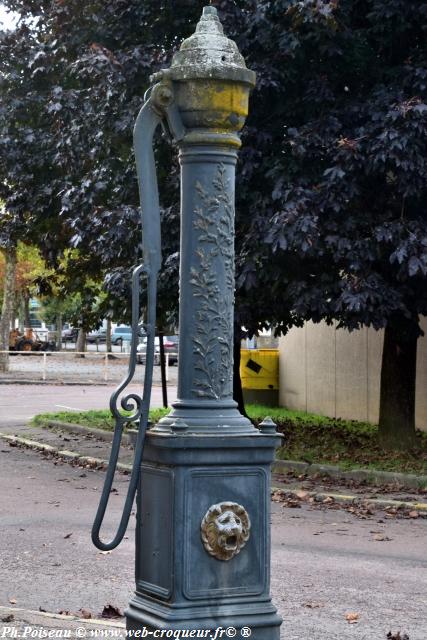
[326, 563]
[19, 403]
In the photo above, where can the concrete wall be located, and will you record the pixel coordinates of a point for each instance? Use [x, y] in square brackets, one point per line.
[336, 373]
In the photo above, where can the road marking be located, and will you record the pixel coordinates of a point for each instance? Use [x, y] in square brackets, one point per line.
[64, 406]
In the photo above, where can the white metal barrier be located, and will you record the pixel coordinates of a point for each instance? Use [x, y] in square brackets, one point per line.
[95, 355]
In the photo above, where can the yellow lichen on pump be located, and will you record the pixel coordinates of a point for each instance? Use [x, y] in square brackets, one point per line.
[230, 97]
[213, 105]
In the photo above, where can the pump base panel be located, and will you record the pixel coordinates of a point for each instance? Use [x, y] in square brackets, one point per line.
[179, 584]
[263, 621]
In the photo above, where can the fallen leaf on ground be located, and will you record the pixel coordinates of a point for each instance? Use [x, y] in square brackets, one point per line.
[380, 537]
[68, 535]
[302, 495]
[42, 610]
[277, 496]
[360, 511]
[413, 514]
[84, 613]
[12, 600]
[313, 605]
[291, 503]
[8, 618]
[110, 611]
[352, 618]
[328, 500]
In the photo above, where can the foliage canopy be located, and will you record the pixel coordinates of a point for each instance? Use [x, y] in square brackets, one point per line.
[331, 220]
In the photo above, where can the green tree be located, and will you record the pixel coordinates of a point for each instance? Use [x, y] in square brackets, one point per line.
[330, 215]
[7, 316]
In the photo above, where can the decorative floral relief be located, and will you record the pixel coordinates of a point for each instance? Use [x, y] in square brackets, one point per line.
[213, 337]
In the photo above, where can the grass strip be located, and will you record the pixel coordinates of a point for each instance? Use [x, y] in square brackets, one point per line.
[309, 437]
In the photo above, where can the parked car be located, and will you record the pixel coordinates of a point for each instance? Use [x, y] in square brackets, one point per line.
[120, 335]
[170, 344]
[97, 336]
[141, 351]
[69, 334]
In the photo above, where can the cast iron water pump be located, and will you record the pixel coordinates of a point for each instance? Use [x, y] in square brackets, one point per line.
[203, 472]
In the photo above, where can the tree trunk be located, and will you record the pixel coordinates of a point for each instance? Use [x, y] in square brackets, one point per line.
[27, 319]
[21, 324]
[81, 342]
[237, 382]
[398, 377]
[7, 306]
[59, 331]
[108, 346]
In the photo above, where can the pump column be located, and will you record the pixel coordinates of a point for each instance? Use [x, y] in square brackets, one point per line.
[203, 506]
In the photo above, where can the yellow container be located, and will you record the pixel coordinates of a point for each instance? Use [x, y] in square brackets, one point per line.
[259, 368]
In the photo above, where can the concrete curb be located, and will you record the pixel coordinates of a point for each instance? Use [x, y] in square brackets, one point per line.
[71, 427]
[370, 476]
[98, 463]
[68, 456]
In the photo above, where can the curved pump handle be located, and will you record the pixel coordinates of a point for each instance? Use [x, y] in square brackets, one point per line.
[159, 107]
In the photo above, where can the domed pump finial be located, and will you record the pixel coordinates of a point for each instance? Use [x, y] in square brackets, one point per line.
[209, 54]
[210, 11]
[209, 22]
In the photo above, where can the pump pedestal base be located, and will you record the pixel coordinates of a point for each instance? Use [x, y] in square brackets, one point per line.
[180, 581]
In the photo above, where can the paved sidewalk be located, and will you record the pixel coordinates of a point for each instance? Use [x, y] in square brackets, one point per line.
[326, 563]
[18, 404]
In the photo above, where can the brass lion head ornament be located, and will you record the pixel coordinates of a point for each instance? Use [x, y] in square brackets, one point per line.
[225, 530]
